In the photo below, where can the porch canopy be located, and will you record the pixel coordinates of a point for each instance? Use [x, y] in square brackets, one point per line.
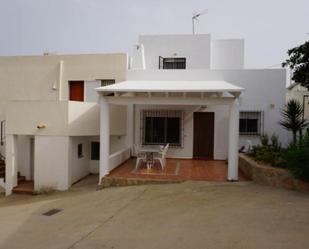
[172, 89]
[167, 92]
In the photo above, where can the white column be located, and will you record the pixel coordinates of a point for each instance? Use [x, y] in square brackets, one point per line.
[104, 137]
[233, 141]
[10, 164]
[130, 127]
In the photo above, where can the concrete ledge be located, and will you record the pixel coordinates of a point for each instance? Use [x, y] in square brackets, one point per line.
[107, 182]
[271, 176]
[118, 158]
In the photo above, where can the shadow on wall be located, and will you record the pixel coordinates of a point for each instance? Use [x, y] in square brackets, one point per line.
[84, 126]
[83, 119]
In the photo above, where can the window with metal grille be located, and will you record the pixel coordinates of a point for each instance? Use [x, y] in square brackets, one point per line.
[251, 123]
[107, 82]
[172, 63]
[162, 127]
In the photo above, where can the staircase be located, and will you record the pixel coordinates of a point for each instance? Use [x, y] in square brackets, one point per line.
[2, 172]
[24, 186]
[2, 168]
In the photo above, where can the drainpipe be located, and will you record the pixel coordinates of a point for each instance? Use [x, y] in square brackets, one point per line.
[60, 80]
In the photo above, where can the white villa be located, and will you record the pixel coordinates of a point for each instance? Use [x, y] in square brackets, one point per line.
[65, 116]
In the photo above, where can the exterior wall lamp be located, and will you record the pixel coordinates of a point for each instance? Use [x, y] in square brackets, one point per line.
[203, 108]
[41, 126]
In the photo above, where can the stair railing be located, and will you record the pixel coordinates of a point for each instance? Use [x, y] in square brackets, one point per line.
[2, 158]
[2, 132]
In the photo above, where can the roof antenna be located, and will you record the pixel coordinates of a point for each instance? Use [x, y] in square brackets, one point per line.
[195, 19]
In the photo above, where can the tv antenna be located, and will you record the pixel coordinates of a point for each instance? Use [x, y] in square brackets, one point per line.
[195, 17]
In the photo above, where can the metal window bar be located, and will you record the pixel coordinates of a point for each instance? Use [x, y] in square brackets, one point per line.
[172, 63]
[161, 113]
[107, 82]
[245, 128]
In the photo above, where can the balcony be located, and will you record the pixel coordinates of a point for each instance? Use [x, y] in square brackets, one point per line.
[60, 118]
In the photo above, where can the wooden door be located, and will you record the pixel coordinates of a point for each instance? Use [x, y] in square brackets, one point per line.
[203, 139]
[76, 90]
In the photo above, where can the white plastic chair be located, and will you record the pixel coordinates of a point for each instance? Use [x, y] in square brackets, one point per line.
[161, 156]
[248, 146]
[140, 156]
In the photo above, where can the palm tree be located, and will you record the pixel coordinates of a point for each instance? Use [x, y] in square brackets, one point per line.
[293, 118]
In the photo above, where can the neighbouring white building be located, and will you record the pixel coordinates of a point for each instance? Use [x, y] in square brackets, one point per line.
[187, 90]
[49, 116]
[301, 94]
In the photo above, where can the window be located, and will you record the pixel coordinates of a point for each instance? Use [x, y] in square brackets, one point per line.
[162, 127]
[76, 90]
[107, 82]
[250, 123]
[172, 63]
[95, 151]
[80, 151]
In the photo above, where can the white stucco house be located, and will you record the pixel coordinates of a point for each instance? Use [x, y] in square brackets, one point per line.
[190, 91]
[194, 93]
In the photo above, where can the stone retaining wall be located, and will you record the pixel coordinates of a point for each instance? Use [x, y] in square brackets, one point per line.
[268, 175]
[109, 181]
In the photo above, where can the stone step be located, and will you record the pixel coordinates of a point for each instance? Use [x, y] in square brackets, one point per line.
[21, 179]
[25, 187]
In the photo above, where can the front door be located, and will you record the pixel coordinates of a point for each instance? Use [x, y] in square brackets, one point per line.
[203, 139]
[76, 89]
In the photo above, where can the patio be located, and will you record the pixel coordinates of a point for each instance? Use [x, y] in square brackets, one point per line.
[176, 170]
[185, 99]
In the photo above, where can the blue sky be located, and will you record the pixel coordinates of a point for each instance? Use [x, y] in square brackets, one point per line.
[269, 27]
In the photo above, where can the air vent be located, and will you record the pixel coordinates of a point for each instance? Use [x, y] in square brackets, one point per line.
[52, 212]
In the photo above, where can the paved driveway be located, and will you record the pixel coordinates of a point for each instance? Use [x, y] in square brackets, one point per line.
[188, 215]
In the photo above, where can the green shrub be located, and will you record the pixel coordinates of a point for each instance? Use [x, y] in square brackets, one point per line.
[296, 158]
[264, 139]
[269, 151]
[275, 144]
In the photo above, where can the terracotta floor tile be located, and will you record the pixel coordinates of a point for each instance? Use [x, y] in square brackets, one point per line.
[177, 169]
